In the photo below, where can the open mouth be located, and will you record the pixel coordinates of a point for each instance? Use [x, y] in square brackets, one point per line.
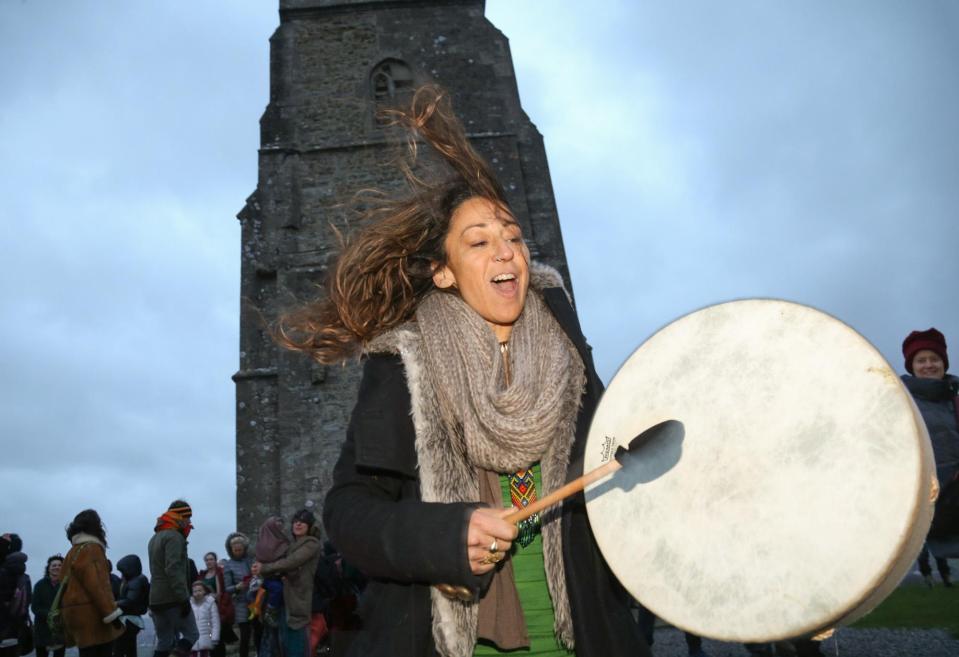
[505, 282]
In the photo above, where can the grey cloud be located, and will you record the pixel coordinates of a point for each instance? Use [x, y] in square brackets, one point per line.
[814, 147]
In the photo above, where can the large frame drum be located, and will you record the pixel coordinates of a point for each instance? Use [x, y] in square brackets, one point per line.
[792, 495]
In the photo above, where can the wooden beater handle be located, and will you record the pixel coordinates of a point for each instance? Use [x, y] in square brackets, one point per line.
[561, 494]
[558, 495]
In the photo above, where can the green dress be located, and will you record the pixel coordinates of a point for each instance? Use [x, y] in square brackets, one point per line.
[530, 576]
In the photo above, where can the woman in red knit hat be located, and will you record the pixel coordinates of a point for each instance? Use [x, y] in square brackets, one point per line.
[936, 394]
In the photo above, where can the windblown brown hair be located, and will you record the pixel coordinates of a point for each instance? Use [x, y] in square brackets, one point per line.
[384, 271]
[87, 522]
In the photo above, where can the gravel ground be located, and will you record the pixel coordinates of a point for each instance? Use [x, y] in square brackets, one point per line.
[846, 642]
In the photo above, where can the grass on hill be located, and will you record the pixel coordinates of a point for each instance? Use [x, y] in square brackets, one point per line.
[917, 606]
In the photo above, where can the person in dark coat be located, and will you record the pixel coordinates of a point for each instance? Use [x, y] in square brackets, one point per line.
[338, 588]
[134, 601]
[8, 583]
[115, 580]
[935, 393]
[15, 593]
[476, 396]
[43, 594]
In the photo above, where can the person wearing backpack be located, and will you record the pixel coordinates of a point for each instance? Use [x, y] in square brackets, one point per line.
[44, 593]
[15, 595]
[134, 599]
[90, 613]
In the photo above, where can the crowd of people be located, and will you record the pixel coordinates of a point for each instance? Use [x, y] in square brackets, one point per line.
[281, 601]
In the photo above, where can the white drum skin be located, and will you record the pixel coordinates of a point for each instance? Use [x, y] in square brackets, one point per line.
[795, 495]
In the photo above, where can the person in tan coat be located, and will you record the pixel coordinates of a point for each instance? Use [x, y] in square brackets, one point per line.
[297, 569]
[90, 614]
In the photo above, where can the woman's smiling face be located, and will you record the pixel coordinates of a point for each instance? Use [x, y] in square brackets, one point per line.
[927, 364]
[487, 261]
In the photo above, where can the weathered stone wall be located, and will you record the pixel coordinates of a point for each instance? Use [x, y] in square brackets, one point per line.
[320, 143]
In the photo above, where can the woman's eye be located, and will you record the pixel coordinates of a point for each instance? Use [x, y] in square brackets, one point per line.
[480, 243]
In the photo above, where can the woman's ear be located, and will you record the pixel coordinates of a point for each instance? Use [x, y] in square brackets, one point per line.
[443, 277]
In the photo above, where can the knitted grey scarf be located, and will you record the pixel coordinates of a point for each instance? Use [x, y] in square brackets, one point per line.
[503, 428]
[466, 418]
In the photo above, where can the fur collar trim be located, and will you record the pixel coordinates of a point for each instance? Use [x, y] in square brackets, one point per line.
[81, 538]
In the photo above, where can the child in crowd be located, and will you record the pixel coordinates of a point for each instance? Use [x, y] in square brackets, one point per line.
[255, 594]
[271, 544]
[207, 620]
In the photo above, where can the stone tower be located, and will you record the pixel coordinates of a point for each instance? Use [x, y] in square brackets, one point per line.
[332, 64]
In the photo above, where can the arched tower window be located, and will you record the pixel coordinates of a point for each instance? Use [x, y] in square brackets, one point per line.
[390, 80]
[391, 84]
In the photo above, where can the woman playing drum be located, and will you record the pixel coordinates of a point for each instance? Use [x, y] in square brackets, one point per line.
[477, 392]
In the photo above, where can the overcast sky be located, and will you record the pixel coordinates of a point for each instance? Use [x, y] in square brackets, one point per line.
[700, 152]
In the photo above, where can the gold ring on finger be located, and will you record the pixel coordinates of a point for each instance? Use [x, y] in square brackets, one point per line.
[493, 547]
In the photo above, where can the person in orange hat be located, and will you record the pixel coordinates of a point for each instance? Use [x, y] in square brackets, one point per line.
[173, 618]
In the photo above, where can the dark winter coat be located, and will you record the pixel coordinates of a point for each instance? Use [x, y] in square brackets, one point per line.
[236, 577]
[134, 595]
[297, 569]
[87, 601]
[376, 519]
[43, 594]
[13, 566]
[936, 399]
[325, 583]
[169, 569]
